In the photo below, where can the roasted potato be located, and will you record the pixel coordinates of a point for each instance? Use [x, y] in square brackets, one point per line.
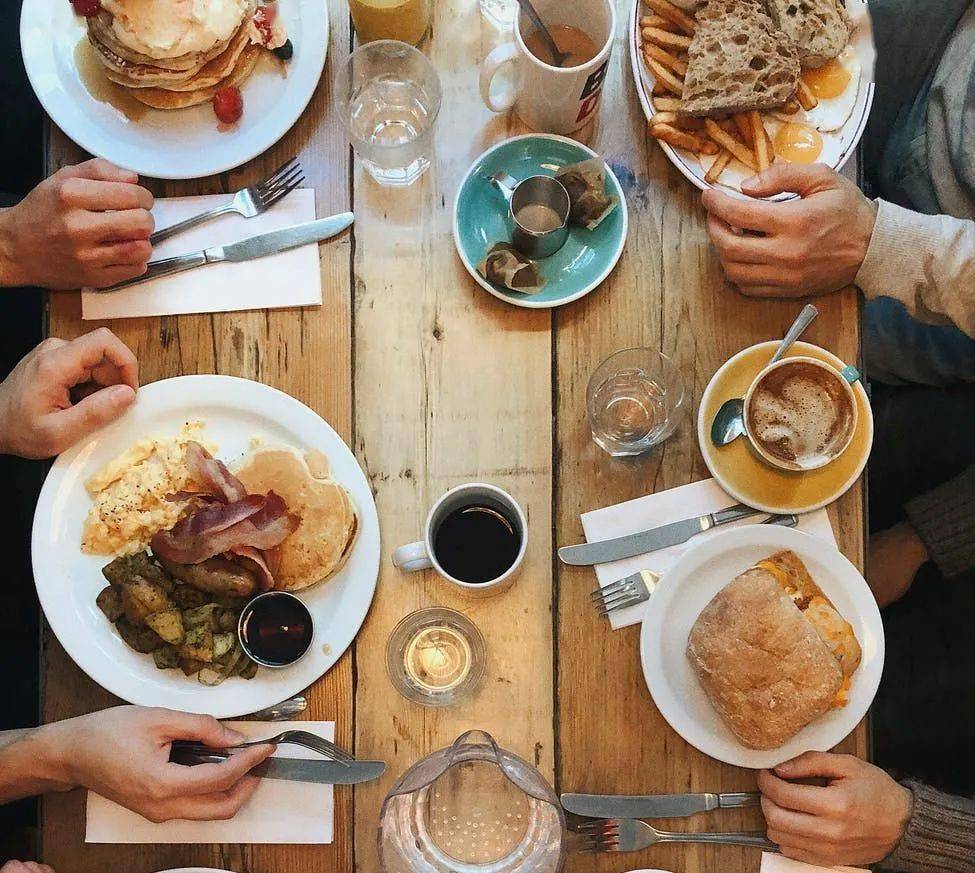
[166, 657]
[216, 576]
[198, 644]
[249, 670]
[189, 666]
[222, 644]
[208, 615]
[143, 639]
[129, 566]
[110, 602]
[168, 624]
[141, 598]
[187, 597]
[227, 620]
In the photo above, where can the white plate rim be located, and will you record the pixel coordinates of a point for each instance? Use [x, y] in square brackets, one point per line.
[359, 576]
[527, 302]
[206, 162]
[818, 736]
[675, 157]
[704, 435]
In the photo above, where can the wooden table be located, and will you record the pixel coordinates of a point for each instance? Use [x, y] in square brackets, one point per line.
[433, 382]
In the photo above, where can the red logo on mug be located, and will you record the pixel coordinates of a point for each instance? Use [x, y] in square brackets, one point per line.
[591, 92]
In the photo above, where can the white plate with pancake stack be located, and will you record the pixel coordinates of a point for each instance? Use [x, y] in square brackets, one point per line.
[689, 586]
[235, 413]
[852, 105]
[184, 143]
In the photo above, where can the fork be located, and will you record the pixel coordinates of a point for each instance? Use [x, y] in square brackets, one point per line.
[630, 835]
[324, 747]
[248, 202]
[636, 589]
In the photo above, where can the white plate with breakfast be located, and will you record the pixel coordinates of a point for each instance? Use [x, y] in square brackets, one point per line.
[153, 536]
[170, 89]
[760, 644]
[731, 86]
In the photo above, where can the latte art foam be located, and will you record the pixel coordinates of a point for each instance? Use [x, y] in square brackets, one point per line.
[801, 414]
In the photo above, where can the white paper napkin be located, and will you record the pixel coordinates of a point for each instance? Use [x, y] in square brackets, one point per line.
[772, 863]
[290, 278]
[278, 812]
[644, 513]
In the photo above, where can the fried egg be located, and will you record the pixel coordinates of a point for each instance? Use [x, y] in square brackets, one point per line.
[798, 143]
[836, 86]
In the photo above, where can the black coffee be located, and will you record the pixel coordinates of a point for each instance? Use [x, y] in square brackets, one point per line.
[477, 544]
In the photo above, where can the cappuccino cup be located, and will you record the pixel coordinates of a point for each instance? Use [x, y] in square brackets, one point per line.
[801, 413]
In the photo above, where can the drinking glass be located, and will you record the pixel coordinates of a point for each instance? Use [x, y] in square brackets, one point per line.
[388, 95]
[500, 12]
[635, 399]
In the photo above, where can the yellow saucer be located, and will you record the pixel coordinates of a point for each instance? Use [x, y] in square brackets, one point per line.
[749, 479]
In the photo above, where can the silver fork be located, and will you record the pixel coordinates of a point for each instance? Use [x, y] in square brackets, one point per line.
[249, 202]
[630, 835]
[284, 711]
[637, 588]
[324, 747]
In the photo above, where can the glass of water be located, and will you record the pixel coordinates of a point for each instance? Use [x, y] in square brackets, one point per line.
[500, 12]
[635, 400]
[388, 94]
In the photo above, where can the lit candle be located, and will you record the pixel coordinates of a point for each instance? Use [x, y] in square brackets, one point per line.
[438, 658]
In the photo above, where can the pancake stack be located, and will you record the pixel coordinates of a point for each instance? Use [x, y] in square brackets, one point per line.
[175, 82]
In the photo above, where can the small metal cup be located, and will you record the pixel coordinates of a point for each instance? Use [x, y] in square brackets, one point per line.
[535, 190]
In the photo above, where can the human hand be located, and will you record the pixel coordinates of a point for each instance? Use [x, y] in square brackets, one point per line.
[857, 819]
[814, 245]
[25, 867]
[895, 556]
[123, 754]
[37, 416]
[87, 225]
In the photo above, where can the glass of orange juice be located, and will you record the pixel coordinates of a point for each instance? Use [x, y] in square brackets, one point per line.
[404, 20]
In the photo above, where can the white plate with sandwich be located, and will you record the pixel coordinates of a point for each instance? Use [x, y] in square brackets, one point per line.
[760, 644]
[114, 493]
[106, 80]
[810, 85]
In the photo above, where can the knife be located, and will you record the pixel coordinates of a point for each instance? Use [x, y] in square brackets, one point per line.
[246, 249]
[654, 805]
[297, 769]
[587, 554]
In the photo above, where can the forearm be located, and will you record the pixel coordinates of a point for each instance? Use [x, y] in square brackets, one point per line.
[11, 275]
[944, 519]
[927, 262]
[29, 764]
[940, 836]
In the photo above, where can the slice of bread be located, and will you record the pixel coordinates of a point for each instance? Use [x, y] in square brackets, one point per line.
[820, 28]
[738, 61]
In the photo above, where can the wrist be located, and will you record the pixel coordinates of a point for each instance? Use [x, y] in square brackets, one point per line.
[11, 273]
[915, 551]
[49, 746]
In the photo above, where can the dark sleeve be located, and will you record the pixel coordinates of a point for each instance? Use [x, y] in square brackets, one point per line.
[940, 836]
[945, 520]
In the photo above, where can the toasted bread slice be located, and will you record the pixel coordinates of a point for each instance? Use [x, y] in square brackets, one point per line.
[820, 28]
[738, 61]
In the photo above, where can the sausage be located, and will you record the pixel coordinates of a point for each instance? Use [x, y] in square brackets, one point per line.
[215, 576]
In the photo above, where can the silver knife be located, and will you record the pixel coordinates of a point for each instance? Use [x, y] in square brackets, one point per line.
[654, 805]
[587, 554]
[297, 769]
[246, 249]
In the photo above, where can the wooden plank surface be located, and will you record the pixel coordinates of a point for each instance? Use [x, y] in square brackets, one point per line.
[435, 383]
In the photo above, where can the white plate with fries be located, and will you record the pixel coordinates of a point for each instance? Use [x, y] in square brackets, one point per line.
[724, 153]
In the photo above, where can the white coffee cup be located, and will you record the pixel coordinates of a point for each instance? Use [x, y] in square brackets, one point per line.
[843, 379]
[553, 99]
[421, 555]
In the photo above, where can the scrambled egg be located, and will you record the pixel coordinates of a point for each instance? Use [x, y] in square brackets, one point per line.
[129, 494]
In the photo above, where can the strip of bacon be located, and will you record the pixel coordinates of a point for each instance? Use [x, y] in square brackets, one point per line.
[212, 475]
[258, 560]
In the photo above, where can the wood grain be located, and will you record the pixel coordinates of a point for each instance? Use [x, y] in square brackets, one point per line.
[436, 383]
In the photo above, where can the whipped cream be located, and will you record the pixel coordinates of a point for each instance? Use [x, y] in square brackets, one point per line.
[164, 29]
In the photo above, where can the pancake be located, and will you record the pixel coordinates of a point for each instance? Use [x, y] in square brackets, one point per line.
[324, 538]
[164, 98]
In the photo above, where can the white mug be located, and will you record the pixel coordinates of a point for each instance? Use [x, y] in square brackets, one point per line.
[553, 99]
[421, 556]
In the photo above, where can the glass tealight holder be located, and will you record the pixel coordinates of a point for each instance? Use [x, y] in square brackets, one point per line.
[435, 657]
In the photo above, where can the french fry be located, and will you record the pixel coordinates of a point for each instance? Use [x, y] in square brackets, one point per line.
[678, 138]
[666, 104]
[709, 147]
[666, 58]
[660, 90]
[666, 38]
[666, 9]
[792, 107]
[657, 21]
[805, 96]
[728, 126]
[718, 167]
[744, 125]
[664, 118]
[727, 141]
[763, 156]
[670, 80]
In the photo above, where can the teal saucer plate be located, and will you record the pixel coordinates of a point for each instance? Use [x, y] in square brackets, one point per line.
[481, 220]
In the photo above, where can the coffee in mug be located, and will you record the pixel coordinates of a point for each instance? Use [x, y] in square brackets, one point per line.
[475, 537]
[578, 45]
[801, 413]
